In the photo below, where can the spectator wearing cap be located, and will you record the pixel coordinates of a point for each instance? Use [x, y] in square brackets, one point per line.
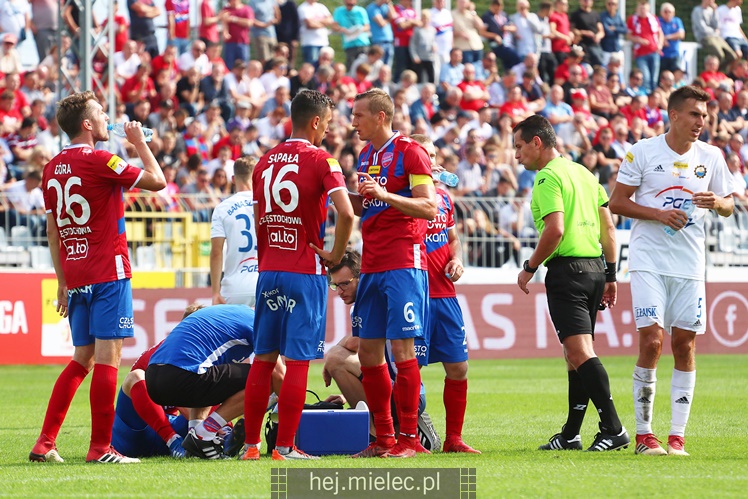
[729, 120]
[142, 26]
[281, 98]
[234, 141]
[646, 35]
[10, 60]
[213, 88]
[673, 32]
[474, 93]
[588, 30]
[237, 20]
[581, 106]
[615, 28]
[263, 35]
[557, 111]
[314, 20]
[561, 36]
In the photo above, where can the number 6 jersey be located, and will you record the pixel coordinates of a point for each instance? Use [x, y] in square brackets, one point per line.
[84, 191]
[291, 184]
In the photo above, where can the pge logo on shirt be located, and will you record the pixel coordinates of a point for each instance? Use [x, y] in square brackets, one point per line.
[284, 238]
[76, 249]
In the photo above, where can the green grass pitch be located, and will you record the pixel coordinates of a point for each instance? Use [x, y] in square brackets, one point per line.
[513, 406]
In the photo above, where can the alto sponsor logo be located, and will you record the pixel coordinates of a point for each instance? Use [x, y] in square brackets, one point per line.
[281, 302]
[76, 249]
[13, 317]
[126, 322]
[284, 238]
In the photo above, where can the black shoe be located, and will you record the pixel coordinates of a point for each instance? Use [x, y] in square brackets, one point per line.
[605, 441]
[558, 442]
[233, 445]
[204, 449]
[427, 434]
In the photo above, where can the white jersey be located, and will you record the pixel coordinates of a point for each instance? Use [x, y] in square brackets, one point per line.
[667, 180]
[233, 219]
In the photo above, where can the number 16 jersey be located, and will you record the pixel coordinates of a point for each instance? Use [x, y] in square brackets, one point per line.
[291, 185]
[83, 190]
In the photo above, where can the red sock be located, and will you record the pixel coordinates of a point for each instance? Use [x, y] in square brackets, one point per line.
[59, 402]
[291, 401]
[407, 391]
[150, 412]
[103, 390]
[455, 401]
[378, 389]
[256, 394]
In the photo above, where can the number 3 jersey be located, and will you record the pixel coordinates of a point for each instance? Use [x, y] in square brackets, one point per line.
[291, 184]
[84, 191]
[666, 180]
[233, 219]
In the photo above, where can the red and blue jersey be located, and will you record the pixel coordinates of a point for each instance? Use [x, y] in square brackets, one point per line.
[84, 191]
[145, 358]
[437, 246]
[181, 11]
[392, 239]
[291, 186]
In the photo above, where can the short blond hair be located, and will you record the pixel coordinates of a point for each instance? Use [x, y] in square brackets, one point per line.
[378, 101]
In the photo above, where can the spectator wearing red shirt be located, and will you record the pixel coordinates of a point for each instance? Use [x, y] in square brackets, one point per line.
[121, 28]
[515, 105]
[10, 118]
[561, 36]
[166, 61]
[139, 87]
[21, 104]
[237, 20]
[474, 93]
[711, 75]
[360, 78]
[234, 140]
[635, 109]
[178, 24]
[573, 60]
[403, 22]
[195, 142]
[646, 35]
[208, 30]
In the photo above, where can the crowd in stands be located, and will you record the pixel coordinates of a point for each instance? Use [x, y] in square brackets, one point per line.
[462, 77]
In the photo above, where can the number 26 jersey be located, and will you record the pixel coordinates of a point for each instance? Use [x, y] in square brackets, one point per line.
[84, 191]
[291, 185]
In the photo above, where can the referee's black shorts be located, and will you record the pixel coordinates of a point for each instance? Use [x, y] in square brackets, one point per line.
[170, 385]
[574, 287]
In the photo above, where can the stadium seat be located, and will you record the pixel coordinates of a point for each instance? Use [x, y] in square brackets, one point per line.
[3, 238]
[40, 257]
[20, 235]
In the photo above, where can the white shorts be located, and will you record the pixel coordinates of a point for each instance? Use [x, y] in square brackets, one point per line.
[668, 301]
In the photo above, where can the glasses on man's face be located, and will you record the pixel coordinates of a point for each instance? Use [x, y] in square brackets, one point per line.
[342, 285]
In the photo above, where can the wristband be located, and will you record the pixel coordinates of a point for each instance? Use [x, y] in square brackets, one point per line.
[610, 272]
[526, 267]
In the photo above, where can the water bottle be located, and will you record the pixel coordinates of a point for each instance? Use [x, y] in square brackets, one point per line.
[446, 178]
[688, 210]
[119, 129]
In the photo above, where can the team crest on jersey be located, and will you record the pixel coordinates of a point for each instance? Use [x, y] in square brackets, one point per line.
[116, 164]
[700, 171]
[374, 170]
[387, 159]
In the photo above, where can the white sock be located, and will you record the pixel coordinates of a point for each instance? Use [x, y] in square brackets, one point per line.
[212, 425]
[645, 382]
[681, 398]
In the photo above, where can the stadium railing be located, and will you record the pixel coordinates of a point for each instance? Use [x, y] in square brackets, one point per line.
[174, 234]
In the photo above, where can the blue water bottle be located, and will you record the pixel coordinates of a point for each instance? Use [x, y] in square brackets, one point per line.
[119, 129]
[446, 178]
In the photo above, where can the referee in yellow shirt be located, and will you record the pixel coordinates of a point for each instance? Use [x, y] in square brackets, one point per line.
[570, 209]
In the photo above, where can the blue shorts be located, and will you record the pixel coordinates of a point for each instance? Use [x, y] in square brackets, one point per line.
[402, 293]
[132, 437]
[447, 341]
[291, 315]
[100, 311]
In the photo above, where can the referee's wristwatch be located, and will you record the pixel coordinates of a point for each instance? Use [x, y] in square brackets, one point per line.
[526, 267]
